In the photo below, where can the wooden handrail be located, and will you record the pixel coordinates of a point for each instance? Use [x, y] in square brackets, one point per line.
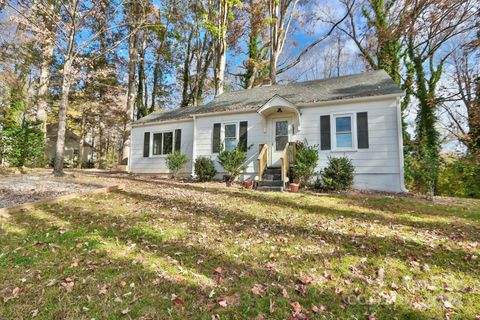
[288, 156]
[285, 163]
[262, 160]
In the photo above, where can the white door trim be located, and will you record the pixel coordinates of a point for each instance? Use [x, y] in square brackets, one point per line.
[275, 155]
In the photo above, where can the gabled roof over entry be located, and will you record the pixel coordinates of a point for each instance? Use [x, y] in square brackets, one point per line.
[374, 83]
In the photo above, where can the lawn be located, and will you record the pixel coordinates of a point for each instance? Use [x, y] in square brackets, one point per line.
[165, 250]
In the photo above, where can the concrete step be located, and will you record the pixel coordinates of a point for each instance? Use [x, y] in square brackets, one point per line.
[273, 170]
[270, 183]
[270, 189]
[272, 177]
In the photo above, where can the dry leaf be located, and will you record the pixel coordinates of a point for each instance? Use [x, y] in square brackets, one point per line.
[296, 307]
[259, 290]
[177, 301]
[103, 290]
[16, 291]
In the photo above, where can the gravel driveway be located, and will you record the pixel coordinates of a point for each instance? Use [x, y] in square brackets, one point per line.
[18, 189]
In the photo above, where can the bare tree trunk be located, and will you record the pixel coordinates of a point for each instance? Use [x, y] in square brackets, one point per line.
[44, 80]
[62, 118]
[62, 111]
[101, 143]
[81, 147]
[131, 93]
[281, 16]
[221, 47]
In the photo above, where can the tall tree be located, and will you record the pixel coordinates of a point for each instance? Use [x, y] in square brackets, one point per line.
[220, 14]
[47, 24]
[135, 16]
[281, 14]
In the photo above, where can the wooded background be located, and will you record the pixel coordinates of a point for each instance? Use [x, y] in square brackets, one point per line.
[95, 66]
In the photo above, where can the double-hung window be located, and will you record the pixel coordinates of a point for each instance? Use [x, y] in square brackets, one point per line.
[162, 143]
[230, 139]
[343, 126]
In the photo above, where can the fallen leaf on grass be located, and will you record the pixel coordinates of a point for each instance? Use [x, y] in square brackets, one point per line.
[448, 305]
[16, 291]
[228, 301]
[223, 303]
[258, 290]
[305, 280]
[316, 309]
[177, 301]
[296, 307]
[218, 270]
[68, 284]
[103, 290]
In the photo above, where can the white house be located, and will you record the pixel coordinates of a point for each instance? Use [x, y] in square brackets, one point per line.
[357, 116]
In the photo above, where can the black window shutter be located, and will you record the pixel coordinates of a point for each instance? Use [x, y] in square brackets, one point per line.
[178, 139]
[146, 144]
[242, 143]
[362, 130]
[216, 138]
[325, 140]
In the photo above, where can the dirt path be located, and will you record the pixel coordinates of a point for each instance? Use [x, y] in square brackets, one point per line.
[18, 189]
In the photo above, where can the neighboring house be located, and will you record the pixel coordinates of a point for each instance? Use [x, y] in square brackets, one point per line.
[357, 116]
[72, 146]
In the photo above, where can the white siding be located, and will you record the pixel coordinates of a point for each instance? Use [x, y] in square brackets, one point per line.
[376, 168]
[140, 164]
[255, 137]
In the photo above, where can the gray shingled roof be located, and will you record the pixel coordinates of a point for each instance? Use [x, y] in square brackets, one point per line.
[365, 84]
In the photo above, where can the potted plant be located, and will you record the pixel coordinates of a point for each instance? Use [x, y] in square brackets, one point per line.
[294, 186]
[304, 165]
[248, 184]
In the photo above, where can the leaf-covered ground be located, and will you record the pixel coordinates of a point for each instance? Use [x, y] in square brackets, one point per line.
[166, 250]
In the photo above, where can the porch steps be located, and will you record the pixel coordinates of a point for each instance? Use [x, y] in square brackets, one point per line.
[271, 180]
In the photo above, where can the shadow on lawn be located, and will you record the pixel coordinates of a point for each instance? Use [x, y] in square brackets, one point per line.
[467, 232]
[354, 244]
[238, 275]
[238, 278]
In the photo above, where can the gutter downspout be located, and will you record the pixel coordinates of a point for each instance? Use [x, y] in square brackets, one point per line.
[400, 146]
[194, 147]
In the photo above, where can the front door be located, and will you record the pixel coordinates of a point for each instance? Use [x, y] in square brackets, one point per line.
[279, 139]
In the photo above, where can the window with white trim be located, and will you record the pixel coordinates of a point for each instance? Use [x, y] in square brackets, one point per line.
[230, 136]
[162, 143]
[343, 128]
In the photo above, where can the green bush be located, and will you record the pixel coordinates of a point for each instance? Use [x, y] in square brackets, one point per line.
[460, 177]
[205, 169]
[233, 162]
[305, 162]
[23, 145]
[338, 175]
[176, 161]
[422, 171]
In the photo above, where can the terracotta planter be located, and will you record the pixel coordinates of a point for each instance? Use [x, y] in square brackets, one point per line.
[248, 184]
[294, 187]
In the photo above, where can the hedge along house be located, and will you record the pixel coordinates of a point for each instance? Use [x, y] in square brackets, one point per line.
[356, 116]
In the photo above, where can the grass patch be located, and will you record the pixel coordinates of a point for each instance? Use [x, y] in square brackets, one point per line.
[168, 250]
